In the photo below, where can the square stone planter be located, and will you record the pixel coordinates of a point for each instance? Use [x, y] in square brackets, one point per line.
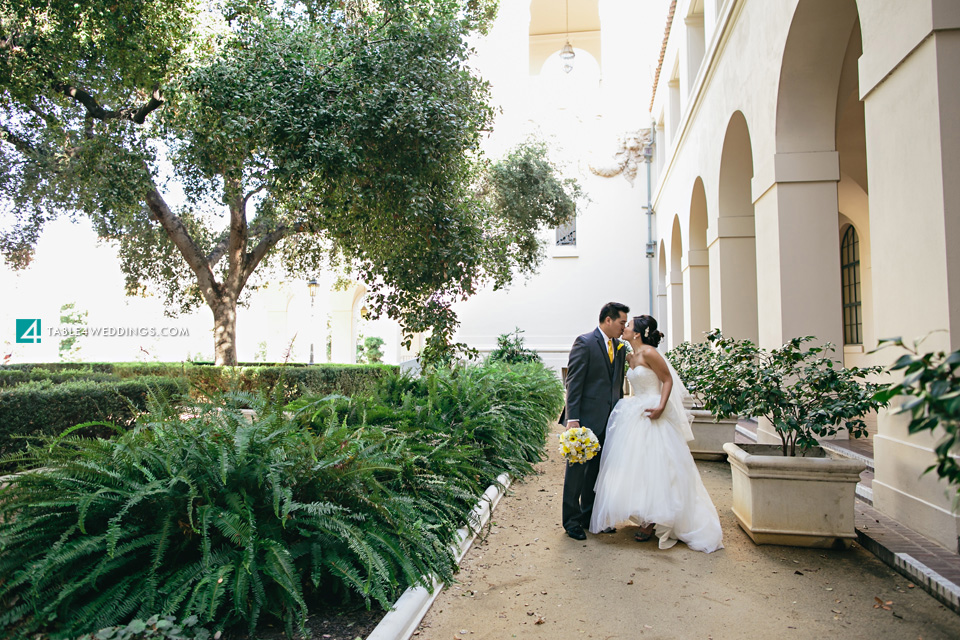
[791, 500]
[709, 436]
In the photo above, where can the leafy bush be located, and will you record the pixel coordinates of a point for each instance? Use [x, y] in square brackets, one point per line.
[805, 394]
[718, 373]
[933, 381]
[202, 512]
[510, 349]
[799, 389]
[153, 627]
[42, 408]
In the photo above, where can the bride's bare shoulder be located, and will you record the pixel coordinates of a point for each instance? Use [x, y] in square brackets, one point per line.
[647, 350]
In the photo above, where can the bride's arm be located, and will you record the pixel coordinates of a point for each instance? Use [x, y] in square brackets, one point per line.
[656, 362]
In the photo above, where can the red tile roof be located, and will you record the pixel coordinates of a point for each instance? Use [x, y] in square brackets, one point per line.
[663, 50]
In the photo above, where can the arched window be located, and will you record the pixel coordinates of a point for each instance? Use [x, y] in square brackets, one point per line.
[850, 274]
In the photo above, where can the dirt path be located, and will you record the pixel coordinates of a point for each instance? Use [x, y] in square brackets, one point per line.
[528, 580]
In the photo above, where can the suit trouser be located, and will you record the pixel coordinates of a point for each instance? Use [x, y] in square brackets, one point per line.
[579, 481]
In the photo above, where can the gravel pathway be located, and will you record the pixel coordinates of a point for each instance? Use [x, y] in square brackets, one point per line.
[528, 580]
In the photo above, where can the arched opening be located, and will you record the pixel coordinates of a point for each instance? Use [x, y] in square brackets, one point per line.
[551, 26]
[675, 286]
[732, 243]
[799, 283]
[345, 308]
[853, 204]
[663, 315]
[696, 268]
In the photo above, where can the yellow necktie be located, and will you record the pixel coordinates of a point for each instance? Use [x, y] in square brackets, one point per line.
[610, 350]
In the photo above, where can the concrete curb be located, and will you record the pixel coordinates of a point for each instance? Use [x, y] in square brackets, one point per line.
[413, 604]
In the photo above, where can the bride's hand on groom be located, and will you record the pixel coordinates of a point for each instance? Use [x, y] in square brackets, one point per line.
[654, 414]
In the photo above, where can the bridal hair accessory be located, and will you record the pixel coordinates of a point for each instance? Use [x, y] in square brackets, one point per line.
[578, 444]
[646, 332]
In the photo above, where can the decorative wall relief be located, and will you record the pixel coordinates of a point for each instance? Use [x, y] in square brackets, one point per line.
[626, 159]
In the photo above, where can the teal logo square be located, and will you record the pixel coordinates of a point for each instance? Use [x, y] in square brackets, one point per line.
[28, 330]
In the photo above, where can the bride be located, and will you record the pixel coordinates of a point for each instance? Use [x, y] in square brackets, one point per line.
[647, 474]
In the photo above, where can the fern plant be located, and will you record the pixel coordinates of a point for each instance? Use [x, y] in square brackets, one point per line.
[208, 515]
[202, 513]
[460, 429]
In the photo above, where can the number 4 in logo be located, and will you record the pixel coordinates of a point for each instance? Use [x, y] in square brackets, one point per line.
[28, 330]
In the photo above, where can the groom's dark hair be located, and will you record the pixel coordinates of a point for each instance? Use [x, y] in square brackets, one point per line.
[613, 310]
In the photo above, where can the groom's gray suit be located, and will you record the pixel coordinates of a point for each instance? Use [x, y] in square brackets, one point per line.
[594, 385]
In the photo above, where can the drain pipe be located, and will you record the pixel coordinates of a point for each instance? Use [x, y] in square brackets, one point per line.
[651, 245]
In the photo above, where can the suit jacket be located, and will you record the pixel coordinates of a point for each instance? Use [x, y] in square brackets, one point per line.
[594, 385]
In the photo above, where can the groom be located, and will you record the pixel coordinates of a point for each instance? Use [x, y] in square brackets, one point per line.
[594, 385]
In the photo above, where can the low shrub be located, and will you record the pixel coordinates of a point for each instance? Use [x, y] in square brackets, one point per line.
[14, 377]
[511, 349]
[295, 379]
[42, 408]
[159, 627]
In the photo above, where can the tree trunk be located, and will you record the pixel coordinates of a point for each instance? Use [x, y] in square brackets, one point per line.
[225, 332]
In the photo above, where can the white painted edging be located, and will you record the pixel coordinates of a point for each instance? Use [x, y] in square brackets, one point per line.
[413, 604]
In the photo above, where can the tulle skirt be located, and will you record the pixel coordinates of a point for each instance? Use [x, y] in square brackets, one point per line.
[647, 475]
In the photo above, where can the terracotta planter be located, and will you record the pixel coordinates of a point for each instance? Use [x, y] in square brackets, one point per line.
[709, 436]
[797, 501]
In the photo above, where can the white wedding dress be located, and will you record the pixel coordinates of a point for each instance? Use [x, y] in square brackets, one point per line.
[647, 474]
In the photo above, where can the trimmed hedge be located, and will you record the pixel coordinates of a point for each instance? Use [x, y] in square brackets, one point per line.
[346, 379]
[15, 377]
[42, 408]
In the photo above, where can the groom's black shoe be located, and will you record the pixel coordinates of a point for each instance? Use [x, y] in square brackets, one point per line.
[577, 533]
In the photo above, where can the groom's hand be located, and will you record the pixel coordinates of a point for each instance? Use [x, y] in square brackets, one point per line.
[573, 423]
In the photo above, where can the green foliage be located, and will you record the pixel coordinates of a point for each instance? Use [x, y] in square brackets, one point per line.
[160, 627]
[201, 512]
[717, 372]
[511, 349]
[372, 352]
[305, 136]
[70, 315]
[295, 379]
[41, 408]
[932, 380]
[802, 391]
[526, 187]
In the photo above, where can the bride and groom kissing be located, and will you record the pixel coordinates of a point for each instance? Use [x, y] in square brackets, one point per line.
[645, 473]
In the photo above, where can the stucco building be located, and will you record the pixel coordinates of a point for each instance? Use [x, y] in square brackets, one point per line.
[807, 159]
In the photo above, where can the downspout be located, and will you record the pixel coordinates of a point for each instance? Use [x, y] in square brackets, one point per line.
[651, 245]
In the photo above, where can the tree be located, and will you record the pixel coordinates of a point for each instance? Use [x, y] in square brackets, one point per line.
[303, 135]
[372, 353]
[70, 315]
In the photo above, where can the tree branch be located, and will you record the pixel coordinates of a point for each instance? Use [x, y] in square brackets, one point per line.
[249, 195]
[217, 252]
[238, 235]
[95, 110]
[267, 242]
[180, 237]
[18, 143]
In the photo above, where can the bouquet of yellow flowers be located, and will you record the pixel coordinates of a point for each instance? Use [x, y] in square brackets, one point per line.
[578, 444]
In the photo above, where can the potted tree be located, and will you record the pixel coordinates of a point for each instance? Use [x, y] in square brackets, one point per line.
[795, 492]
[715, 396]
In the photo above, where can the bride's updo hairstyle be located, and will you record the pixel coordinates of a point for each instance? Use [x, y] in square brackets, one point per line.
[646, 326]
